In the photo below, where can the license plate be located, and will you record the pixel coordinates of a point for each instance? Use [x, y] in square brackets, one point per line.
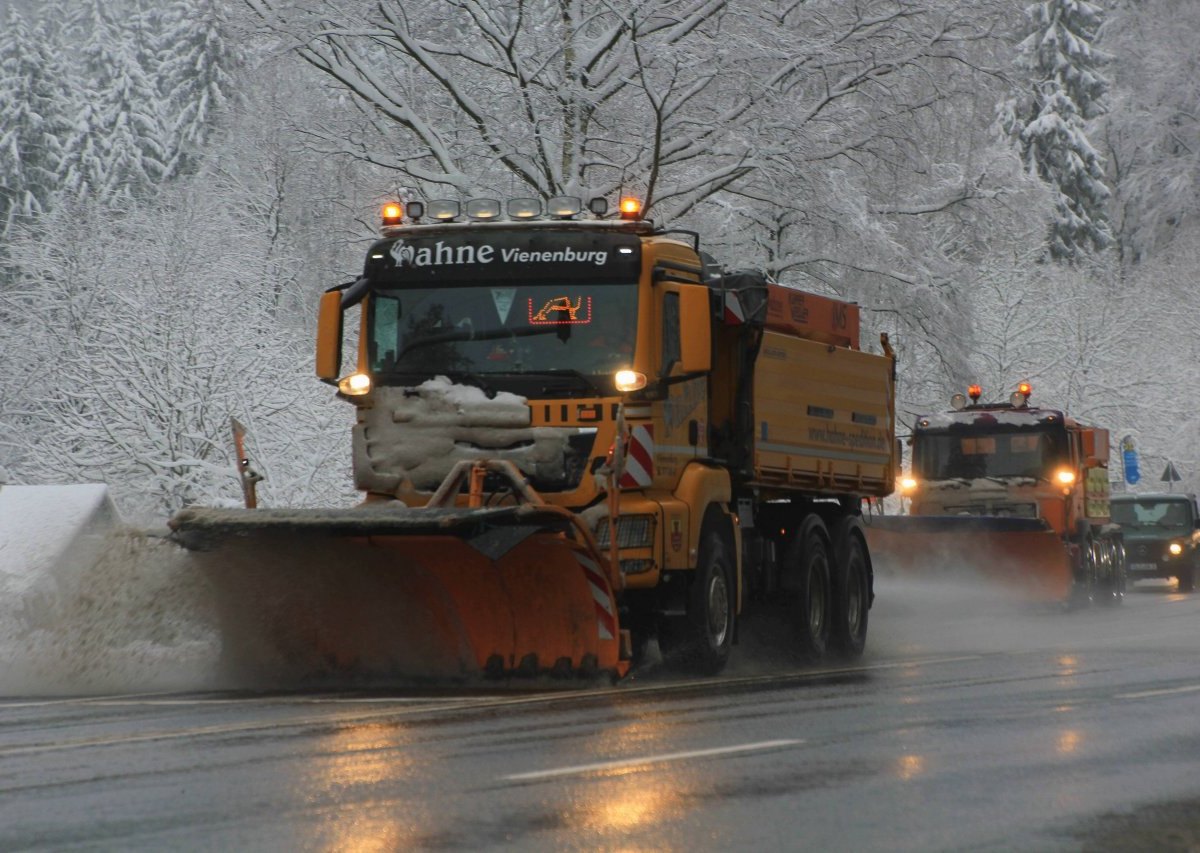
[1143, 567]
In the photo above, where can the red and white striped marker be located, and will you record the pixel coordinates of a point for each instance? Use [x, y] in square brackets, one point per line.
[606, 616]
[639, 458]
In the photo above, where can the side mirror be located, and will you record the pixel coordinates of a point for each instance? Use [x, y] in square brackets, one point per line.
[329, 337]
[695, 329]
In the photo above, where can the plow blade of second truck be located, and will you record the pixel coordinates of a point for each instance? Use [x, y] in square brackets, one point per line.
[397, 595]
[1022, 554]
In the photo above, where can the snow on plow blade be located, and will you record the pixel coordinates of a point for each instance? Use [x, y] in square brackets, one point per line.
[396, 594]
[1021, 553]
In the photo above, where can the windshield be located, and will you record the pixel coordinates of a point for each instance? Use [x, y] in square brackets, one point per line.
[947, 456]
[1151, 512]
[504, 328]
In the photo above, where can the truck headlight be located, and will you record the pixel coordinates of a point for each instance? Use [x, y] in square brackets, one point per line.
[629, 380]
[355, 385]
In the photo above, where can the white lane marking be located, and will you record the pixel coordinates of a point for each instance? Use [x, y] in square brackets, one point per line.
[1168, 691]
[650, 759]
[448, 704]
[80, 700]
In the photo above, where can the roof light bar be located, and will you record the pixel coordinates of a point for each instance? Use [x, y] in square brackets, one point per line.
[524, 208]
[483, 208]
[444, 210]
[564, 206]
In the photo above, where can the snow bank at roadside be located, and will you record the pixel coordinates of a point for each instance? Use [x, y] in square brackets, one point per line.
[87, 606]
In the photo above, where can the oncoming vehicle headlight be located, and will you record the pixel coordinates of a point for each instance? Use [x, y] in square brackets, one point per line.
[1175, 548]
[355, 385]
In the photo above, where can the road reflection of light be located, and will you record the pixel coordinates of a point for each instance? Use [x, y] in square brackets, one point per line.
[910, 766]
[607, 811]
[1064, 709]
[343, 785]
[1069, 741]
[1067, 668]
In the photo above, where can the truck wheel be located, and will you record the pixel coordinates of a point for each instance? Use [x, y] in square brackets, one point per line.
[809, 557]
[1187, 578]
[1084, 586]
[700, 642]
[1110, 588]
[851, 599]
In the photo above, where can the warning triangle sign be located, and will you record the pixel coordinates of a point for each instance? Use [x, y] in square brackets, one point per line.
[1171, 474]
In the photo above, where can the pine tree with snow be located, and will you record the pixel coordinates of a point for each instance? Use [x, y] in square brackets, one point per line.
[33, 101]
[197, 58]
[119, 144]
[1049, 123]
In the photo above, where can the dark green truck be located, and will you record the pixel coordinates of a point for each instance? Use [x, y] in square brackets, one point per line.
[1162, 536]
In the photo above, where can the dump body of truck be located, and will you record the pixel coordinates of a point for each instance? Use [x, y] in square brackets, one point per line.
[1011, 491]
[693, 438]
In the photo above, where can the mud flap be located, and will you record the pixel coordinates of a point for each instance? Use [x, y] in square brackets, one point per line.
[1022, 554]
[404, 595]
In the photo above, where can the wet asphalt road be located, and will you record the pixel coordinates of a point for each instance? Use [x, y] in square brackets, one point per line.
[972, 723]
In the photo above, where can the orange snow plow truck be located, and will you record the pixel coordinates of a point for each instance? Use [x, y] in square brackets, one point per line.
[1010, 492]
[574, 433]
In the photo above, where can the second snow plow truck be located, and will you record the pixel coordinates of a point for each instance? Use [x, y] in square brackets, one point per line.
[1011, 492]
[573, 433]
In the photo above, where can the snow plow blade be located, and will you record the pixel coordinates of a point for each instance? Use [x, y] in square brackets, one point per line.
[392, 594]
[1020, 553]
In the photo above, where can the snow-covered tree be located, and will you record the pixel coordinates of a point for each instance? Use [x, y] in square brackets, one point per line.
[197, 59]
[1066, 90]
[119, 144]
[1152, 132]
[33, 99]
[145, 329]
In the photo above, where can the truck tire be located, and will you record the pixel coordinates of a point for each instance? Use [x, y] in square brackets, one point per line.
[1084, 587]
[700, 642]
[1110, 587]
[851, 597]
[809, 557]
[1187, 577]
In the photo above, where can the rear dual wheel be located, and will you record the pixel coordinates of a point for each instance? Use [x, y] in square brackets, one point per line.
[851, 598]
[834, 587]
[1083, 588]
[810, 558]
